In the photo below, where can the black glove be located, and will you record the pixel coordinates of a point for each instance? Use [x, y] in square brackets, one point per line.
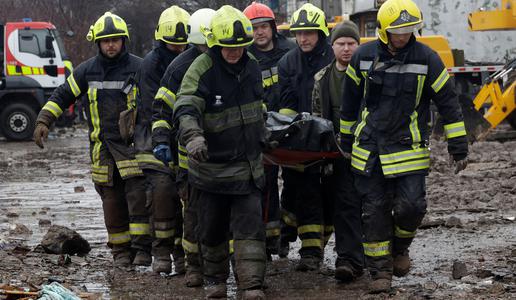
[459, 161]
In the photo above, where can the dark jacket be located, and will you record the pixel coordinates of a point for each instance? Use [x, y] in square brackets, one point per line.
[386, 109]
[296, 76]
[223, 103]
[102, 80]
[169, 87]
[268, 62]
[321, 102]
[153, 67]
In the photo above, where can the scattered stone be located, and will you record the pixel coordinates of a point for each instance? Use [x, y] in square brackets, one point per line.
[62, 240]
[513, 253]
[78, 189]
[428, 223]
[483, 273]
[12, 215]
[470, 279]
[459, 270]
[19, 229]
[430, 285]
[497, 288]
[44, 222]
[453, 221]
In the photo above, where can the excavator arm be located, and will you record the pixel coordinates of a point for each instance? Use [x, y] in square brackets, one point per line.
[503, 102]
[503, 18]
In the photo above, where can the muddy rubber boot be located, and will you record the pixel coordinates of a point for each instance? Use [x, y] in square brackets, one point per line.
[179, 260]
[250, 261]
[401, 264]
[193, 277]
[142, 258]
[122, 259]
[381, 283]
[215, 290]
[253, 295]
[308, 263]
[162, 264]
[345, 272]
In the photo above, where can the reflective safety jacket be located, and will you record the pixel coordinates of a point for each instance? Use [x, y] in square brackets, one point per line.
[386, 109]
[296, 76]
[163, 108]
[153, 67]
[103, 80]
[223, 103]
[268, 62]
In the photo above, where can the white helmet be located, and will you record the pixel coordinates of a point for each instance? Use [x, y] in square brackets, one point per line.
[202, 17]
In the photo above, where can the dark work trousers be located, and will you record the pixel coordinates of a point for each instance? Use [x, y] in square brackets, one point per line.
[288, 207]
[125, 213]
[163, 197]
[217, 213]
[190, 241]
[309, 211]
[271, 209]
[392, 210]
[346, 212]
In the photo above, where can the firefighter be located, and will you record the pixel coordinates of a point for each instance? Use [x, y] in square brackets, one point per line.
[162, 134]
[296, 79]
[384, 117]
[108, 81]
[341, 204]
[171, 36]
[268, 48]
[219, 111]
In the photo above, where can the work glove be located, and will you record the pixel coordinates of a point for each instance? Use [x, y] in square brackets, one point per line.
[163, 153]
[40, 134]
[459, 163]
[197, 148]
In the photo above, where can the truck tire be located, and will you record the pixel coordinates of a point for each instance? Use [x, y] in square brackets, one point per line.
[17, 121]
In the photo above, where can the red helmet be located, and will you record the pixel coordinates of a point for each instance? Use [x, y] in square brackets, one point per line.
[258, 12]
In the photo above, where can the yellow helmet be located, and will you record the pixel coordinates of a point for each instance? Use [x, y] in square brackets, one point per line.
[229, 27]
[173, 26]
[107, 26]
[398, 17]
[309, 17]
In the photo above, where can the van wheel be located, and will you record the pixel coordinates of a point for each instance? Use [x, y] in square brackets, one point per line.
[18, 121]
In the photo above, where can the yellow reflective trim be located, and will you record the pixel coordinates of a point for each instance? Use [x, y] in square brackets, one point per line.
[99, 178]
[314, 228]
[130, 171]
[54, 108]
[345, 126]
[275, 78]
[74, 87]
[398, 232]
[404, 156]
[289, 220]
[266, 82]
[406, 167]
[231, 246]
[177, 241]
[420, 84]
[183, 161]
[189, 246]
[455, 130]
[11, 70]
[377, 249]
[148, 158]
[161, 124]
[441, 80]
[26, 70]
[305, 243]
[357, 163]
[350, 71]
[329, 229]
[360, 152]
[127, 163]
[414, 129]
[163, 234]
[139, 228]
[94, 136]
[119, 238]
[35, 71]
[167, 96]
[272, 232]
[362, 123]
[287, 112]
[181, 148]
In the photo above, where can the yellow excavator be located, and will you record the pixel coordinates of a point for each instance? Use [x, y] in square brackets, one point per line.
[498, 92]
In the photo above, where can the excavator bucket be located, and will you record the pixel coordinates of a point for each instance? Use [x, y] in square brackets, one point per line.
[498, 98]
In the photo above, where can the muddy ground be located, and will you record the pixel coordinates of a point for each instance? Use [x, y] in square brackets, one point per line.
[470, 220]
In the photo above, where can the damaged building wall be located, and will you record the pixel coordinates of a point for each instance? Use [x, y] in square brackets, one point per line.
[450, 18]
